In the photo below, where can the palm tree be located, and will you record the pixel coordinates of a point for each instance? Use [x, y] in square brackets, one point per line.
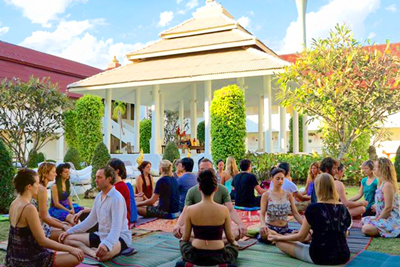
[118, 111]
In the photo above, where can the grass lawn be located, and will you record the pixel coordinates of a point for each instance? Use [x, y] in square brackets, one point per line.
[390, 246]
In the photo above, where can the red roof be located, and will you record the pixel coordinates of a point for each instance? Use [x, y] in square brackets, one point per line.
[395, 48]
[21, 62]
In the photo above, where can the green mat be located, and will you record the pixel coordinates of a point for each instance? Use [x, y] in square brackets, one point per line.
[162, 250]
[374, 259]
[4, 218]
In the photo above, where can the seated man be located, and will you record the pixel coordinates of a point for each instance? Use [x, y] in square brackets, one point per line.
[244, 184]
[186, 181]
[288, 185]
[109, 211]
[221, 197]
[167, 194]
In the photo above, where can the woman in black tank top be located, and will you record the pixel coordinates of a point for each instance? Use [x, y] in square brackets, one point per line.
[209, 221]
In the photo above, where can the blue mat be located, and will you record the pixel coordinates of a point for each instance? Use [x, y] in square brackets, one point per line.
[374, 259]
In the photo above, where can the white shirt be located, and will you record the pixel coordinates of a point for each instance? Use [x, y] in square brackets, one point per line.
[288, 186]
[111, 216]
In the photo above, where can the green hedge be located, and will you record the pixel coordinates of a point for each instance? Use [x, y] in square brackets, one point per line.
[171, 152]
[228, 123]
[145, 135]
[72, 156]
[99, 160]
[69, 128]
[35, 159]
[88, 125]
[201, 132]
[7, 172]
[299, 164]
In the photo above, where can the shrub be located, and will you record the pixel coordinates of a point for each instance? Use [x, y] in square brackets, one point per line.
[228, 123]
[145, 135]
[171, 152]
[300, 134]
[69, 128]
[7, 172]
[201, 132]
[299, 164]
[99, 160]
[72, 156]
[88, 126]
[397, 163]
[35, 159]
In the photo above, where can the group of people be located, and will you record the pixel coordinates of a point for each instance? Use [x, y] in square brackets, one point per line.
[208, 225]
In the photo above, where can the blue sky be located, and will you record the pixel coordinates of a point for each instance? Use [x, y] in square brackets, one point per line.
[93, 31]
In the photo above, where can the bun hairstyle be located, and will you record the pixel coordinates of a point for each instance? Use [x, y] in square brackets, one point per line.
[207, 182]
[24, 178]
[274, 171]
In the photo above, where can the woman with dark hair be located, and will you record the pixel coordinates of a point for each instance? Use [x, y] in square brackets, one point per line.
[209, 221]
[220, 169]
[120, 171]
[62, 207]
[276, 205]
[27, 242]
[144, 182]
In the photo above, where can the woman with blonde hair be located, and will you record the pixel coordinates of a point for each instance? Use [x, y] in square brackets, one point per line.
[166, 192]
[231, 170]
[329, 219]
[386, 222]
[51, 226]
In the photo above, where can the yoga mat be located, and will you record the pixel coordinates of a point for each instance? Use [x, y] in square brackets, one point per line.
[164, 225]
[3, 245]
[141, 220]
[374, 259]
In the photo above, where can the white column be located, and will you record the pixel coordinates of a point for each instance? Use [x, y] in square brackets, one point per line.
[267, 114]
[155, 121]
[162, 118]
[305, 134]
[241, 82]
[181, 115]
[207, 117]
[128, 111]
[60, 148]
[295, 120]
[107, 118]
[301, 10]
[261, 123]
[136, 121]
[282, 129]
[193, 113]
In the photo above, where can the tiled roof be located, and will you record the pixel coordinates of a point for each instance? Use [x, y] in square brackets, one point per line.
[201, 64]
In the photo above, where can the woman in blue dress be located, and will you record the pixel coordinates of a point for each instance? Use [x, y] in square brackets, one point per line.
[62, 207]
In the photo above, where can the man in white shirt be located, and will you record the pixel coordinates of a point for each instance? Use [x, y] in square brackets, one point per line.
[109, 211]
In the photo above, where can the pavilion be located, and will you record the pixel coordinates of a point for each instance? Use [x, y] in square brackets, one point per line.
[183, 69]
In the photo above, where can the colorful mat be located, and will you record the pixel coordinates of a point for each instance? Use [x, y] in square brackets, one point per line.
[163, 225]
[142, 221]
[374, 259]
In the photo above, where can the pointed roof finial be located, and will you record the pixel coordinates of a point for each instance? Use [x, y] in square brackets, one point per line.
[115, 60]
[113, 64]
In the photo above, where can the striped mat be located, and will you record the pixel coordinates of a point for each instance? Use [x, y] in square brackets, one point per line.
[374, 259]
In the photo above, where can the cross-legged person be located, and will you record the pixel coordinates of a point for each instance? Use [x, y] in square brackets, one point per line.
[276, 205]
[27, 243]
[329, 220]
[186, 181]
[209, 221]
[144, 182]
[244, 185]
[313, 172]
[167, 194]
[221, 196]
[386, 222]
[231, 170]
[109, 211]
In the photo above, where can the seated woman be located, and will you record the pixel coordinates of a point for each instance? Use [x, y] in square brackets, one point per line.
[209, 221]
[220, 169]
[144, 182]
[329, 220]
[276, 205]
[27, 242]
[368, 187]
[62, 207]
[313, 172]
[47, 173]
[386, 223]
[167, 194]
[231, 170]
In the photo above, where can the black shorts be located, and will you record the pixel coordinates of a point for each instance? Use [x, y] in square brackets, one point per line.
[94, 242]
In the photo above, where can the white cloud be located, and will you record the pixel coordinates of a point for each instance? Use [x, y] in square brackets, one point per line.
[72, 40]
[244, 21]
[392, 8]
[192, 4]
[42, 11]
[165, 18]
[371, 35]
[3, 30]
[319, 23]
[178, 1]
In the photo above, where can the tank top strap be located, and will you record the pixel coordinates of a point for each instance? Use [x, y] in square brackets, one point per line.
[20, 215]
